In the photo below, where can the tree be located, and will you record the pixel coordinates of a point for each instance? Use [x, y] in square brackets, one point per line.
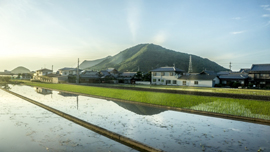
[147, 76]
[139, 75]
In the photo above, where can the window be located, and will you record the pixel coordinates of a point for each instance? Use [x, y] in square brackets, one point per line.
[174, 81]
[224, 82]
[158, 79]
[184, 82]
[196, 82]
[162, 80]
[154, 74]
[242, 82]
[154, 80]
[168, 81]
[162, 73]
[171, 73]
[262, 82]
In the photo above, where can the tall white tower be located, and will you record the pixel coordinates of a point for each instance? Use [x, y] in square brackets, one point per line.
[190, 65]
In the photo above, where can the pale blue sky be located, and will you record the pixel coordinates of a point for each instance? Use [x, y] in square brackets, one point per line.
[41, 33]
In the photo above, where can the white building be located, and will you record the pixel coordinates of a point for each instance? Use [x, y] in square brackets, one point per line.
[166, 76]
[68, 71]
[42, 72]
[200, 80]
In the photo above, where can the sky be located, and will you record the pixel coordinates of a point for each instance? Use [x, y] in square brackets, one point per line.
[41, 33]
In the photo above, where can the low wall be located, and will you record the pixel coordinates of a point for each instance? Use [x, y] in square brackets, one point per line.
[143, 82]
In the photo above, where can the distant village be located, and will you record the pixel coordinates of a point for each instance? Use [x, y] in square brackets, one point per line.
[258, 76]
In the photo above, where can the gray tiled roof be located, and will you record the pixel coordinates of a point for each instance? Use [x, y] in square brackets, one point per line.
[234, 76]
[223, 72]
[209, 72]
[197, 77]
[45, 70]
[244, 70]
[260, 67]
[167, 69]
[69, 69]
[128, 74]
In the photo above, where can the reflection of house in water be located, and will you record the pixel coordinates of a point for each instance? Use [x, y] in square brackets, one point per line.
[64, 94]
[43, 91]
[140, 109]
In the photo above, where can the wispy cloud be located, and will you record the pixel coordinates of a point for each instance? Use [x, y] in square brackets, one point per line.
[266, 15]
[236, 18]
[237, 32]
[266, 7]
[133, 17]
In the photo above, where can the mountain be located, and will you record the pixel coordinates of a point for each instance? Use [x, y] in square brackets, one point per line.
[20, 69]
[151, 56]
[87, 64]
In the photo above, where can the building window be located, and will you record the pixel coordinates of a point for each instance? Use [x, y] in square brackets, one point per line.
[242, 82]
[184, 82]
[168, 81]
[171, 73]
[154, 80]
[162, 80]
[262, 82]
[158, 79]
[224, 82]
[174, 81]
[162, 73]
[196, 82]
[154, 74]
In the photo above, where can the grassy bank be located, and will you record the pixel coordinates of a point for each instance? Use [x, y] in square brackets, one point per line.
[240, 107]
[198, 89]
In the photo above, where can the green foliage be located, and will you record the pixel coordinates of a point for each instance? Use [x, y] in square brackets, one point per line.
[5, 79]
[150, 56]
[255, 108]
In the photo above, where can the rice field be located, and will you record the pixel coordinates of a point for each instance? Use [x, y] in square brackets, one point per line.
[253, 108]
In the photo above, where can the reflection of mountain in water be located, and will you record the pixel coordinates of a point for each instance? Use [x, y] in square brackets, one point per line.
[43, 91]
[140, 109]
[64, 94]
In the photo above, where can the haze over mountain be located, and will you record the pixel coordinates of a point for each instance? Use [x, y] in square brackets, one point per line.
[150, 56]
[90, 63]
[20, 69]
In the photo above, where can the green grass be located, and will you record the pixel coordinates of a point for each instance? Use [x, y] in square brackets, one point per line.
[240, 107]
[200, 89]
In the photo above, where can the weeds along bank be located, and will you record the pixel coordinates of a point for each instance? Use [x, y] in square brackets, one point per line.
[239, 107]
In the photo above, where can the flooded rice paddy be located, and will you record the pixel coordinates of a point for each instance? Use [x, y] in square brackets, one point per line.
[25, 127]
[160, 128]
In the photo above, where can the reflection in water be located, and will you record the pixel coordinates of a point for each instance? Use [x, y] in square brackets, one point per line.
[140, 109]
[168, 130]
[64, 94]
[43, 91]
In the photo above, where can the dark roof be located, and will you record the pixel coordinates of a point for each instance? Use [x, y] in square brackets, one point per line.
[45, 70]
[224, 72]
[208, 72]
[89, 76]
[5, 73]
[127, 74]
[233, 75]
[260, 67]
[167, 69]
[197, 77]
[246, 70]
[69, 69]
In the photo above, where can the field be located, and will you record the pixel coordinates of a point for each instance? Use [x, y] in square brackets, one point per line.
[239, 107]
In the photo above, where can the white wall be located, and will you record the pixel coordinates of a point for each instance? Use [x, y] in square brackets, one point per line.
[142, 82]
[164, 78]
[201, 83]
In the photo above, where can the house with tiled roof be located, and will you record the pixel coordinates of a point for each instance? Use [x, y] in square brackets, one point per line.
[199, 80]
[233, 77]
[260, 75]
[166, 76]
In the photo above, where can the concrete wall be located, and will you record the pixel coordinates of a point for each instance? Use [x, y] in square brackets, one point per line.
[142, 82]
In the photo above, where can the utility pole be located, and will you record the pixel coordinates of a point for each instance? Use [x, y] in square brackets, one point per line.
[190, 65]
[77, 81]
[52, 68]
[230, 66]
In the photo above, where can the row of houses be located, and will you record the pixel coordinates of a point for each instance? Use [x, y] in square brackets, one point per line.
[63, 75]
[257, 76]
